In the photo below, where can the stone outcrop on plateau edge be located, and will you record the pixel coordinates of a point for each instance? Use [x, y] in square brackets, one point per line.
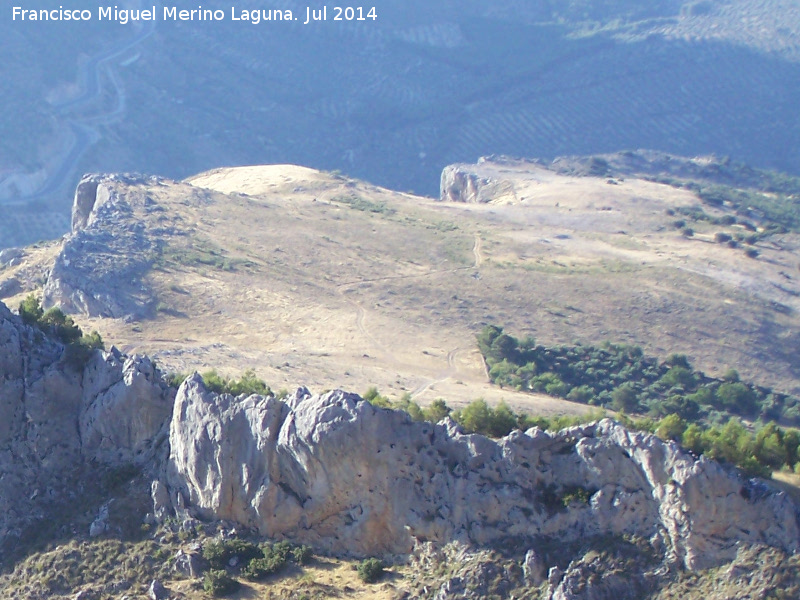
[100, 268]
[57, 419]
[336, 472]
[476, 184]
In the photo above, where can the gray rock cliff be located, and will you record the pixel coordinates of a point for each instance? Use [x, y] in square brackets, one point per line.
[333, 471]
[56, 420]
[344, 476]
[101, 267]
[474, 184]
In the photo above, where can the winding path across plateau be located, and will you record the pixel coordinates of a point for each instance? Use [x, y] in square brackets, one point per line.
[86, 128]
[361, 317]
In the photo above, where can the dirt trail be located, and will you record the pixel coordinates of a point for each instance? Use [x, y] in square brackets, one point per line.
[477, 251]
[451, 372]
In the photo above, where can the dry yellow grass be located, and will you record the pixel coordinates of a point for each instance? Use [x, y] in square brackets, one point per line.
[327, 292]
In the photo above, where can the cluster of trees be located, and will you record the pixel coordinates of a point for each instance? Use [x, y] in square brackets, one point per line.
[620, 377]
[252, 561]
[53, 322]
[247, 384]
[758, 452]
[478, 416]
[775, 207]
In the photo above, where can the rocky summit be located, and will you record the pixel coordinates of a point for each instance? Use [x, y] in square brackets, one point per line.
[348, 478]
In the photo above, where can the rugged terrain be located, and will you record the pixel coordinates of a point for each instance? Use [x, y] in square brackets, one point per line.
[571, 77]
[583, 513]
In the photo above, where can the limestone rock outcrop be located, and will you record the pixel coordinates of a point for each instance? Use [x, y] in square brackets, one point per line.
[337, 473]
[333, 471]
[459, 185]
[58, 419]
[473, 184]
[125, 408]
[101, 266]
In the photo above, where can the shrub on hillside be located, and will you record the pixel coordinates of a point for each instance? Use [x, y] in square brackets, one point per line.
[218, 583]
[78, 347]
[247, 384]
[220, 552]
[370, 570]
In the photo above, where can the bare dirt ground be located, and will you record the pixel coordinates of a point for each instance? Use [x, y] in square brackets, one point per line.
[331, 282]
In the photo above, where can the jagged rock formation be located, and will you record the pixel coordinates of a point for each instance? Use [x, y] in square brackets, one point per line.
[100, 269]
[57, 418]
[457, 185]
[467, 183]
[336, 472]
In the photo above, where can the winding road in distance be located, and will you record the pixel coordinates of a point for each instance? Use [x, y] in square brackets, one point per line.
[85, 128]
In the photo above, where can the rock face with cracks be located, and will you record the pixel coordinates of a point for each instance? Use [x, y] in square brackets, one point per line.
[57, 419]
[333, 471]
[101, 267]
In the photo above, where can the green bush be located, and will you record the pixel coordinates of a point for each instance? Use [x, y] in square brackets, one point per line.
[373, 397]
[437, 411]
[576, 494]
[412, 408]
[722, 237]
[679, 376]
[30, 309]
[62, 326]
[220, 552]
[736, 397]
[218, 583]
[247, 384]
[370, 570]
[78, 347]
[479, 417]
[671, 427]
[259, 568]
[625, 397]
[302, 555]
[78, 353]
[175, 379]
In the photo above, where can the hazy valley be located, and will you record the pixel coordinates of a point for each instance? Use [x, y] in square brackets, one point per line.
[425, 84]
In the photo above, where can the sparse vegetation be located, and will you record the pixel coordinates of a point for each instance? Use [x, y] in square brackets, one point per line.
[370, 570]
[218, 583]
[175, 379]
[247, 384]
[364, 205]
[53, 322]
[219, 553]
[200, 252]
[621, 377]
[770, 197]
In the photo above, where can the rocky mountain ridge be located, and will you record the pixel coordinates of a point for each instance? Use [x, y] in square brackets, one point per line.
[328, 469]
[334, 471]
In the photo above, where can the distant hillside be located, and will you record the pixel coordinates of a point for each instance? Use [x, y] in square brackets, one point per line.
[318, 279]
[391, 101]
